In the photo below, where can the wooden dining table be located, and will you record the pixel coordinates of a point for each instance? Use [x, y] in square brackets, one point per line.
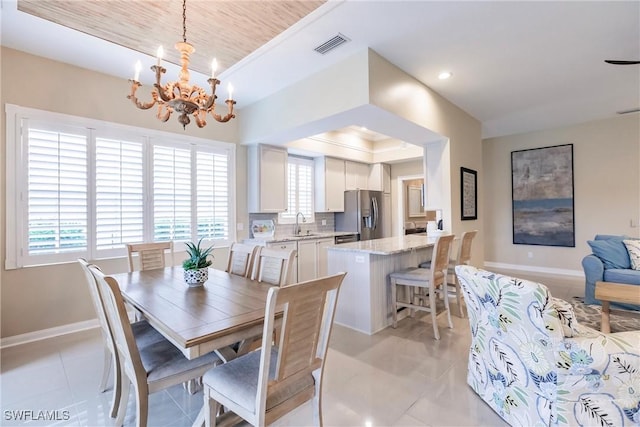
[198, 320]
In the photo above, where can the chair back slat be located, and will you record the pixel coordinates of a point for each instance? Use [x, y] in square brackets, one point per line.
[274, 266]
[464, 251]
[241, 258]
[440, 258]
[303, 338]
[150, 255]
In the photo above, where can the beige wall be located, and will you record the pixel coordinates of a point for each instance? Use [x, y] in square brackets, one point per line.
[606, 165]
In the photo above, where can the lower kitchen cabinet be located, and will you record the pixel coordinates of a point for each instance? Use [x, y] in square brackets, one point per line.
[312, 258]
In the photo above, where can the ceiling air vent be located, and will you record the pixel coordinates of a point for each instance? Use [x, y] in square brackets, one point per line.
[332, 43]
[633, 110]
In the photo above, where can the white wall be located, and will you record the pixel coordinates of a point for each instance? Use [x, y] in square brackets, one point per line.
[606, 167]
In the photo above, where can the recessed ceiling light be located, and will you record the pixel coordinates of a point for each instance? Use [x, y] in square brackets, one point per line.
[445, 75]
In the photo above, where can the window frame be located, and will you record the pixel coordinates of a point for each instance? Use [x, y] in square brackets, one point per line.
[289, 216]
[16, 197]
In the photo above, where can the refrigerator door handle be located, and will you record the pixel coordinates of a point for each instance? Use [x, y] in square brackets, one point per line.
[375, 212]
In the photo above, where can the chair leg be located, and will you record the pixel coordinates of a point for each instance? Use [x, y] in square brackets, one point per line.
[117, 387]
[124, 400]
[105, 370]
[459, 299]
[432, 308]
[394, 309]
[210, 410]
[142, 406]
[446, 304]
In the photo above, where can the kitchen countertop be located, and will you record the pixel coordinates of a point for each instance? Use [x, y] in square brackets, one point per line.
[286, 238]
[388, 245]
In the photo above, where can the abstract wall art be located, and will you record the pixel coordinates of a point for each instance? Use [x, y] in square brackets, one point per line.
[542, 194]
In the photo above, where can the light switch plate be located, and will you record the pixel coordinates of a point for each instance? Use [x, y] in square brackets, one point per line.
[239, 226]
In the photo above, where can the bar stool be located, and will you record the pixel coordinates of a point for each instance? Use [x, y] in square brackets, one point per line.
[433, 279]
[463, 258]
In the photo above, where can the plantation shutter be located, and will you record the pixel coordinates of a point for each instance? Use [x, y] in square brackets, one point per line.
[300, 190]
[56, 191]
[212, 195]
[171, 193]
[119, 193]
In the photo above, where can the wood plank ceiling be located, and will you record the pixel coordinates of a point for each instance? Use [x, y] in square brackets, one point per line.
[226, 30]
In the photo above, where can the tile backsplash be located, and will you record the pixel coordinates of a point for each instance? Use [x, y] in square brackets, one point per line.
[288, 229]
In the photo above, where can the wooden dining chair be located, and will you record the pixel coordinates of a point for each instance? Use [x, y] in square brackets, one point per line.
[264, 385]
[274, 266]
[150, 255]
[434, 279]
[144, 335]
[241, 259]
[151, 368]
[463, 258]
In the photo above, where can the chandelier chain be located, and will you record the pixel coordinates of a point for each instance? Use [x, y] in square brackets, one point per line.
[184, 21]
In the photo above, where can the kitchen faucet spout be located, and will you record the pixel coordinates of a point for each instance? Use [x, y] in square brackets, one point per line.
[298, 229]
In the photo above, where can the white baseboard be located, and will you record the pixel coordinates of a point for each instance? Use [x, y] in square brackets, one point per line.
[533, 269]
[48, 333]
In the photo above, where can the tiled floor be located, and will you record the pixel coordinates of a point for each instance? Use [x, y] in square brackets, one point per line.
[398, 377]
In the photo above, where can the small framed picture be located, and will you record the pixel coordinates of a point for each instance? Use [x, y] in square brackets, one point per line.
[469, 193]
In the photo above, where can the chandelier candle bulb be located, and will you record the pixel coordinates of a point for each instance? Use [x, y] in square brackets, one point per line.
[230, 88]
[138, 67]
[160, 54]
[214, 67]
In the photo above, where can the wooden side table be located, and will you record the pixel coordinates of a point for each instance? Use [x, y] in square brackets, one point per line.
[616, 292]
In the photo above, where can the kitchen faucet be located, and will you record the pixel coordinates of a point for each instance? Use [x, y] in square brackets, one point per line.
[298, 229]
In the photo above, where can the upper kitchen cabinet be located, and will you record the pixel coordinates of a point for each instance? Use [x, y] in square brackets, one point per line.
[380, 177]
[267, 169]
[356, 175]
[329, 184]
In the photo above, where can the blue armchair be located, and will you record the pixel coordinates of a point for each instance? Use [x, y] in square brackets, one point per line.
[609, 262]
[534, 365]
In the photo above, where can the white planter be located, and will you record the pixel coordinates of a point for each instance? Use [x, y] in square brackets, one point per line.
[195, 278]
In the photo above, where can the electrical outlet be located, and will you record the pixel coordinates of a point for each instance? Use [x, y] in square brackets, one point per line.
[530, 254]
[239, 226]
[324, 222]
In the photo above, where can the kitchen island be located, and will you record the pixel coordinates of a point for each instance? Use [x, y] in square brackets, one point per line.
[364, 301]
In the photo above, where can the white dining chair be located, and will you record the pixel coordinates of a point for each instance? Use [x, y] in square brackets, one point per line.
[144, 335]
[241, 259]
[149, 369]
[149, 255]
[274, 266]
[264, 385]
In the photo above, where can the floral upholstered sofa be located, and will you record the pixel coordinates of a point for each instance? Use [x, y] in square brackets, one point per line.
[536, 366]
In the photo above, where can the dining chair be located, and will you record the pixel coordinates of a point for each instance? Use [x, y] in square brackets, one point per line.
[274, 266]
[241, 259]
[433, 279]
[266, 384]
[144, 335]
[463, 258]
[150, 255]
[151, 368]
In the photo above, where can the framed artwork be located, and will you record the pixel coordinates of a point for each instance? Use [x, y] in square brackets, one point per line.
[542, 196]
[469, 193]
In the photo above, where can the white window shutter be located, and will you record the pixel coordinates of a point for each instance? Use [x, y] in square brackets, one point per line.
[212, 195]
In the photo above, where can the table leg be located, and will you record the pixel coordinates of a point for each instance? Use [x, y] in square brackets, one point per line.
[605, 327]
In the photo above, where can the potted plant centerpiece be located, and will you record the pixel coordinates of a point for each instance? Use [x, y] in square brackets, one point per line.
[196, 270]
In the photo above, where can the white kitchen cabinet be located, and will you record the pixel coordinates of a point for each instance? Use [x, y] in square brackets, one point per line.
[329, 184]
[287, 246]
[267, 178]
[322, 257]
[307, 255]
[380, 177]
[312, 258]
[356, 175]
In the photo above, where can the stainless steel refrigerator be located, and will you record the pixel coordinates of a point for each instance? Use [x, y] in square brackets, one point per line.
[362, 214]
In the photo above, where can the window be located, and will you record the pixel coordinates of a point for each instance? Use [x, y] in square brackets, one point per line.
[84, 188]
[300, 187]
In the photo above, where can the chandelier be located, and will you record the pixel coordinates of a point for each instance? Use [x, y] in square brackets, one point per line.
[180, 96]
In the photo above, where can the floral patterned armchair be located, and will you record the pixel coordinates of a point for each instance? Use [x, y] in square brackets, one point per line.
[535, 365]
